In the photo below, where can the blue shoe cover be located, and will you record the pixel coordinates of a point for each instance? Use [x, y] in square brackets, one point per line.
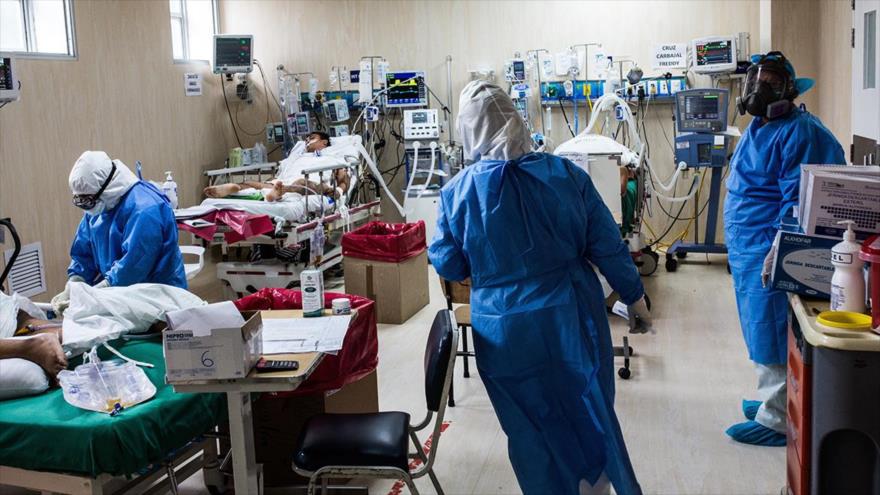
[754, 433]
[750, 408]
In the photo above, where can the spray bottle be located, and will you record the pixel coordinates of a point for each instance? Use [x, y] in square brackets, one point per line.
[848, 282]
[170, 189]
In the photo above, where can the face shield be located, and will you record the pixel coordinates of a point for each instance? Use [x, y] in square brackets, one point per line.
[768, 90]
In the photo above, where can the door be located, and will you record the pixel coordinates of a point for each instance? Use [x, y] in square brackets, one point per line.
[865, 82]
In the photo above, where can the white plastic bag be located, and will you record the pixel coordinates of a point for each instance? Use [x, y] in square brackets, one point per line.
[105, 386]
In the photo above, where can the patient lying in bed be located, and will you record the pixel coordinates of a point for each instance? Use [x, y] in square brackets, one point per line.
[289, 179]
[27, 344]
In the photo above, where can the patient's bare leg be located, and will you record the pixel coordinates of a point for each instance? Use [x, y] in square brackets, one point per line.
[222, 190]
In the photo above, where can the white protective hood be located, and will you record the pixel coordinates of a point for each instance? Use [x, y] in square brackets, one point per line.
[489, 126]
[91, 170]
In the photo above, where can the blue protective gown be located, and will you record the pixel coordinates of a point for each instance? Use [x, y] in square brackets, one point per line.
[762, 188]
[134, 242]
[525, 232]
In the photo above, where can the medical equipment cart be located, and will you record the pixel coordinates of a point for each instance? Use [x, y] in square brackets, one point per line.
[833, 443]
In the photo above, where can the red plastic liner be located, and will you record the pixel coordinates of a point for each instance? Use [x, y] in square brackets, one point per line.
[359, 355]
[243, 225]
[380, 241]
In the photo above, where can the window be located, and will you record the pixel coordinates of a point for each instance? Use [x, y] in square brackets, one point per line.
[37, 27]
[870, 55]
[193, 25]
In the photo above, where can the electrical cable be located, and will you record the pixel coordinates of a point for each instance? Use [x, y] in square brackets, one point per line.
[565, 116]
[267, 87]
[229, 112]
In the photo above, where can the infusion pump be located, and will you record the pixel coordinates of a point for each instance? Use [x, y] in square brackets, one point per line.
[421, 125]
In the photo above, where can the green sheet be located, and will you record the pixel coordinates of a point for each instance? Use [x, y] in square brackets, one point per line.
[46, 433]
[628, 204]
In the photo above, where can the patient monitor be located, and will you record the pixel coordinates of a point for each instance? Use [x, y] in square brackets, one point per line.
[233, 53]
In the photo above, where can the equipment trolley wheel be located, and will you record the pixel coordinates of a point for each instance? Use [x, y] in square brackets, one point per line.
[626, 351]
[671, 263]
[650, 261]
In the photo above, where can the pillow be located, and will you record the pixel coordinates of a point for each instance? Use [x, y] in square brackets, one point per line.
[20, 377]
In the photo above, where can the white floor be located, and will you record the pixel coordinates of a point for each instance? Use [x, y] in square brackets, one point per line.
[686, 388]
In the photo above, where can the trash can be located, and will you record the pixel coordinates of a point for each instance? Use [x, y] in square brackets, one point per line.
[388, 263]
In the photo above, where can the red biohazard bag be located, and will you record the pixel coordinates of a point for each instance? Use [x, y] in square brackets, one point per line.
[359, 355]
[380, 241]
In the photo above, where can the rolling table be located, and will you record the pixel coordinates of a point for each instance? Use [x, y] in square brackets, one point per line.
[246, 472]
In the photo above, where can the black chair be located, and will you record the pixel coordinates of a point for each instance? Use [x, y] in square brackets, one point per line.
[459, 293]
[375, 445]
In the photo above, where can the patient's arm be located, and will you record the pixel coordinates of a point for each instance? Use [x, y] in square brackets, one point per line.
[343, 180]
[43, 349]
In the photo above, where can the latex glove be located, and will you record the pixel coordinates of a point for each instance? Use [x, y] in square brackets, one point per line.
[767, 270]
[62, 300]
[639, 317]
[102, 284]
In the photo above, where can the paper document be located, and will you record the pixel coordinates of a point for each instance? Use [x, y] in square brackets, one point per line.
[201, 320]
[297, 335]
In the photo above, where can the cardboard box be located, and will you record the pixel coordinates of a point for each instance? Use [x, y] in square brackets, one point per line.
[399, 289]
[832, 196]
[220, 353]
[807, 170]
[279, 420]
[803, 264]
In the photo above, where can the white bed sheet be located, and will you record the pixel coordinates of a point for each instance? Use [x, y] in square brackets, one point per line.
[291, 207]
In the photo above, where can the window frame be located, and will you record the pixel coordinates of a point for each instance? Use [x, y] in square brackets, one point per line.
[184, 35]
[28, 24]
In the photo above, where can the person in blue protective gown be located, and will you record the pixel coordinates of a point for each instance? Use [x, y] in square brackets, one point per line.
[127, 235]
[762, 188]
[527, 229]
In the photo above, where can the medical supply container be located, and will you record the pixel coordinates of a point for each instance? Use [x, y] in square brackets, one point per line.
[312, 285]
[832, 405]
[388, 263]
[870, 253]
[169, 187]
[848, 281]
[802, 264]
[341, 306]
[213, 354]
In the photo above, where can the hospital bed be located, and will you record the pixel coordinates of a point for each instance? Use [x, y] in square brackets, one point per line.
[276, 258]
[51, 446]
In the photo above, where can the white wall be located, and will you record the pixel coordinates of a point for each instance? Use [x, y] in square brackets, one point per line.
[314, 36]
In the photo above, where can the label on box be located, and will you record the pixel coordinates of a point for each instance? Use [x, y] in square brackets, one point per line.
[803, 264]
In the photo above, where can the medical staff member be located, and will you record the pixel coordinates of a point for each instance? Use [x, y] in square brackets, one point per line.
[761, 190]
[127, 235]
[525, 228]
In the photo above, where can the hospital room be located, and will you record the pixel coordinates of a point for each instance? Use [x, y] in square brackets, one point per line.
[390, 247]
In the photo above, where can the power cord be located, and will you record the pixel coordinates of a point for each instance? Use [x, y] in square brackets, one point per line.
[228, 111]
